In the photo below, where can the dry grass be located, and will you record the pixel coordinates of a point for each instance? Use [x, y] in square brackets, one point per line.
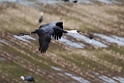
[16, 17]
[100, 17]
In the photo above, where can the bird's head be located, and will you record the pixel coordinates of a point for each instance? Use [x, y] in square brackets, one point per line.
[78, 31]
[22, 77]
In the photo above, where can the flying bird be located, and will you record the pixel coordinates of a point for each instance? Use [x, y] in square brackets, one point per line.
[48, 31]
[27, 78]
[41, 17]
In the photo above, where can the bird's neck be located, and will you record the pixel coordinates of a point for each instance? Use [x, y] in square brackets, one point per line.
[71, 31]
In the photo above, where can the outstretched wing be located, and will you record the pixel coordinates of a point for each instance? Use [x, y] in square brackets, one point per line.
[57, 35]
[44, 41]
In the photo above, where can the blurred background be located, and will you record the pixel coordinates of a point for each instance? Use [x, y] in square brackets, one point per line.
[73, 58]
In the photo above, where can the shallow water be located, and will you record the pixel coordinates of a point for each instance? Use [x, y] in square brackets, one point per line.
[60, 1]
[85, 1]
[56, 68]
[71, 43]
[79, 79]
[2, 59]
[118, 38]
[103, 78]
[4, 41]
[105, 1]
[114, 79]
[87, 40]
[111, 39]
[110, 1]
[118, 78]
[107, 79]
[25, 38]
[9, 0]
[76, 44]
[50, 1]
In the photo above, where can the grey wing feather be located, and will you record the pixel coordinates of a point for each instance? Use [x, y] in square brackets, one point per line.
[44, 42]
[57, 35]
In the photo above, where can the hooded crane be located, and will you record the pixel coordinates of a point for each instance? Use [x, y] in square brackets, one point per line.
[91, 37]
[41, 17]
[27, 78]
[47, 31]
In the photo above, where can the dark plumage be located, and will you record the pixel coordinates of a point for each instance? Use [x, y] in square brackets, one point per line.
[41, 17]
[47, 31]
[27, 78]
[91, 36]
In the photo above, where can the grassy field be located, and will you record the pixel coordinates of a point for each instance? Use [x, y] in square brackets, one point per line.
[23, 58]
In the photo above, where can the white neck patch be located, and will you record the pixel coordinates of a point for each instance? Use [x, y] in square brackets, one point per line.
[22, 77]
